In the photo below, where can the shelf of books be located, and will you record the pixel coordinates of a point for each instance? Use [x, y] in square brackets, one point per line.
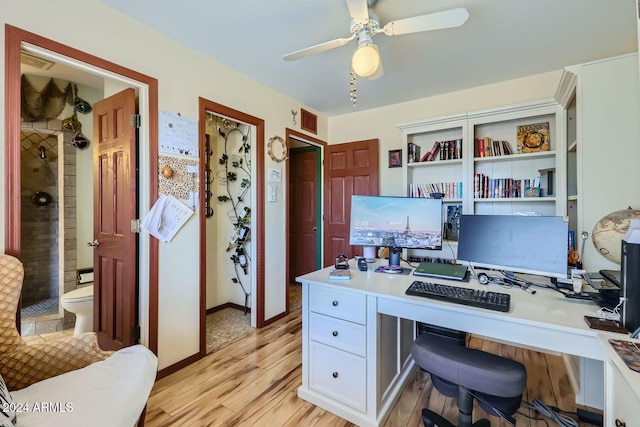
[513, 157]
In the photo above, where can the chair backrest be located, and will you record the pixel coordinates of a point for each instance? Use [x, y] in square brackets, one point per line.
[11, 276]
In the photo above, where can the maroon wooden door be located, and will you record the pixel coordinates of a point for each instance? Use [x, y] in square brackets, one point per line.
[303, 212]
[115, 187]
[350, 168]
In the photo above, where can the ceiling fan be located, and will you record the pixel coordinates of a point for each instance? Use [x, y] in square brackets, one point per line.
[365, 61]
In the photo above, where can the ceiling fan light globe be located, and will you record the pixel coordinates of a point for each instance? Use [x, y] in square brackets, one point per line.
[365, 60]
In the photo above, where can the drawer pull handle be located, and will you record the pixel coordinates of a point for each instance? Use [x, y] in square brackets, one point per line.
[334, 375]
[334, 333]
[620, 423]
[335, 303]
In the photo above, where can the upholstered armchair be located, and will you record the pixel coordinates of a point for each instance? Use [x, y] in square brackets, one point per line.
[22, 364]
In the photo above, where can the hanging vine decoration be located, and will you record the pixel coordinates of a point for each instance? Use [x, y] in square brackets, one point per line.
[236, 178]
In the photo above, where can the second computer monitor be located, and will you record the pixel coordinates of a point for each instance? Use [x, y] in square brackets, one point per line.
[512, 243]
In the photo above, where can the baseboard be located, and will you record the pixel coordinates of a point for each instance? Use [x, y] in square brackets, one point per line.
[227, 305]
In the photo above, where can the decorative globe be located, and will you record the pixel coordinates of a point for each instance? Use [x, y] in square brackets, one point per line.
[609, 231]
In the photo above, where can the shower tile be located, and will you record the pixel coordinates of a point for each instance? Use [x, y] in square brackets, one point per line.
[28, 329]
[48, 326]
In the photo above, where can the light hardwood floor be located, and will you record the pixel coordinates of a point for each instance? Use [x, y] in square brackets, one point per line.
[253, 382]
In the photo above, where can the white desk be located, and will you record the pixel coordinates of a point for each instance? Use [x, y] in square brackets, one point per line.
[357, 337]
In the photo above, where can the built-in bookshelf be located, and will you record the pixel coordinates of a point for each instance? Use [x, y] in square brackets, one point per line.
[504, 178]
[525, 181]
[442, 170]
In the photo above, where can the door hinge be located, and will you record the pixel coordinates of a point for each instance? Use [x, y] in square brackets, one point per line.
[135, 332]
[135, 120]
[135, 226]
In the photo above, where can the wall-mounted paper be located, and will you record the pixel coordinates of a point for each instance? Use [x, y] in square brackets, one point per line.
[166, 217]
[178, 135]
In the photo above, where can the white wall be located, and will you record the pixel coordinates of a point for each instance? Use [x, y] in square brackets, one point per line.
[183, 76]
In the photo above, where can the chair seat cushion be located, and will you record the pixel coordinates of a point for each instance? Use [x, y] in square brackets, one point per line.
[475, 369]
[111, 392]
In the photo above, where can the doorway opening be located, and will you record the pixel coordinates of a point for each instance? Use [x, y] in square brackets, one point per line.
[15, 42]
[229, 202]
[56, 193]
[231, 237]
[304, 211]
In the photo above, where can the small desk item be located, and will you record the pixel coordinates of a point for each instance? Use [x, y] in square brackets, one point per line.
[396, 269]
[628, 352]
[605, 324]
[612, 275]
[599, 282]
[442, 270]
[579, 295]
[339, 274]
[342, 262]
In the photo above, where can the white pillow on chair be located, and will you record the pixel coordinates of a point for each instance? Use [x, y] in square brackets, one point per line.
[108, 393]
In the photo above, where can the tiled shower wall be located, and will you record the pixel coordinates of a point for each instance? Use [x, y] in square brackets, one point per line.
[40, 224]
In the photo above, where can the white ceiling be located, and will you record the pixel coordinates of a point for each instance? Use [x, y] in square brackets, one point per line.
[502, 40]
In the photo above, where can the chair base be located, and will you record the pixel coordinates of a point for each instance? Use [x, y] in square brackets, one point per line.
[431, 419]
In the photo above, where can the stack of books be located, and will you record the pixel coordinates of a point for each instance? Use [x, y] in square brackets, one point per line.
[485, 147]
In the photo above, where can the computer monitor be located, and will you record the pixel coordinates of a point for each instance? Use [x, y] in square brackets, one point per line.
[396, 223]
[512, 243]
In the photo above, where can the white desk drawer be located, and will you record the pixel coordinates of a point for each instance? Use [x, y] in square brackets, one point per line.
[339, 375]
[348, 336]
[333, 302]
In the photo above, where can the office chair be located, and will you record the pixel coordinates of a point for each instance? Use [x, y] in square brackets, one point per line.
[495, 382]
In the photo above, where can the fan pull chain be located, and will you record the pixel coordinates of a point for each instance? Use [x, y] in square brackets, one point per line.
[352, 84]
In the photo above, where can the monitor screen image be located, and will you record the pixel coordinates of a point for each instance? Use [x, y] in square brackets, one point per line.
[511, 243]
[396, 222]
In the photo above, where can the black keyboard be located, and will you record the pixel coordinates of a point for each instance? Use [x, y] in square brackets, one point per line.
[461, 295]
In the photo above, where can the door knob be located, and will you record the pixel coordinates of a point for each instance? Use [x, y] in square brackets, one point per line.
[314, 228]
[94, 244]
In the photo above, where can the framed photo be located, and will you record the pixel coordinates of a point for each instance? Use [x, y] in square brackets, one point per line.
[533, 138]
[395, 158]
[275, 175]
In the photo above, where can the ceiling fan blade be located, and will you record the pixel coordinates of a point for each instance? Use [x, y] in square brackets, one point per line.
[293, 56]
[358, 9]
[432, 21]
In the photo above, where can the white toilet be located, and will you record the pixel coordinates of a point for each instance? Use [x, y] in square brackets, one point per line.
[80, 302]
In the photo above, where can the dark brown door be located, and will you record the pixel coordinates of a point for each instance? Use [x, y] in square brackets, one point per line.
[115, 187]
[303, 212]
[350, 168]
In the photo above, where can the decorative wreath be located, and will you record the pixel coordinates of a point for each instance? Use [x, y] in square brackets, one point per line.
[282, 152]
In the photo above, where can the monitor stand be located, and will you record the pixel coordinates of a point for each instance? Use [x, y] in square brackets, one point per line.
[394, 261]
